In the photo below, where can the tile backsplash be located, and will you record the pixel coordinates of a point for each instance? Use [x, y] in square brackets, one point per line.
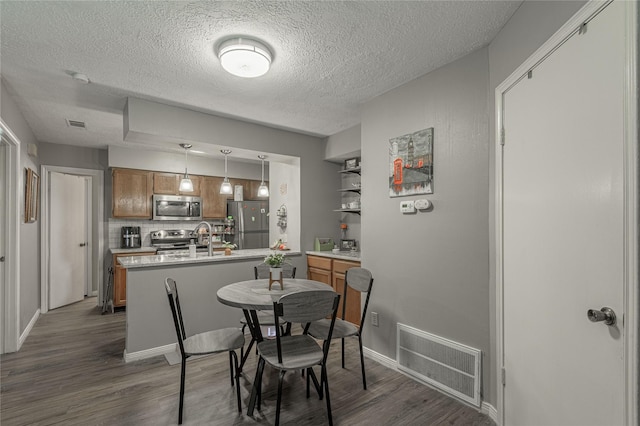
[148, 226]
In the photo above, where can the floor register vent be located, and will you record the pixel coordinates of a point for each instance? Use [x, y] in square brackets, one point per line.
[449, 366]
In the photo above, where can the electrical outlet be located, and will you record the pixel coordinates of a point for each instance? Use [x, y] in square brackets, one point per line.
[374, 319]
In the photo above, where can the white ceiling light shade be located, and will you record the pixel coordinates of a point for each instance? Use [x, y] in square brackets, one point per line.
[226, 188]
[244, 57]
[263, 189]
[185, 184]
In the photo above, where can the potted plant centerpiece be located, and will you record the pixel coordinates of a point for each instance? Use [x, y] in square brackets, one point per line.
[228, 247]
[275, 262]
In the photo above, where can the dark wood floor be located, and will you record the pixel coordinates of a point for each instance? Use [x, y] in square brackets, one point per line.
[70, 371]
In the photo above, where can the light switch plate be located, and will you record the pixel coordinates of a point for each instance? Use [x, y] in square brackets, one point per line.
[407, 206]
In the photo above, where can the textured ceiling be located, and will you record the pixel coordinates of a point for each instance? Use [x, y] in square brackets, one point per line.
[329, 58]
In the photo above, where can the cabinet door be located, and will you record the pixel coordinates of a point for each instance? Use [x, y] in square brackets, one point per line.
[197, 181]
[321, 275]
[132, 191]
[165, 183]
[120, 279]
[119, 286]
[353, 312]
[214, 205]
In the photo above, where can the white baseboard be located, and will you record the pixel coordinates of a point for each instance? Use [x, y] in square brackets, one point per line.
[490, 411]
[27, 330]
[391, 363]
[149, 353]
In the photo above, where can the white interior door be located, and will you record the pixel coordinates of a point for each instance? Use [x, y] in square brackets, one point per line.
[3, 243]
[68, 239]
[563, 227]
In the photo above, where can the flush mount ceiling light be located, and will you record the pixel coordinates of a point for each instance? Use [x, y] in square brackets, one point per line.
[225, 188]
[185, 184]
[244, 57]
[263, 189]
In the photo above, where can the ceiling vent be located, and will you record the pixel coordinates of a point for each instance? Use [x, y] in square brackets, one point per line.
[75, 123]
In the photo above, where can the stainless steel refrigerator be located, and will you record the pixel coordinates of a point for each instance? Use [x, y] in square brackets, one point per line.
[251, 223]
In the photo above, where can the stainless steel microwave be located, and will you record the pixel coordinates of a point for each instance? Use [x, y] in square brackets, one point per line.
[177, 207]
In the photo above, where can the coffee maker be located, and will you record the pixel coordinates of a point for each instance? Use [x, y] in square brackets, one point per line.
[130, 237]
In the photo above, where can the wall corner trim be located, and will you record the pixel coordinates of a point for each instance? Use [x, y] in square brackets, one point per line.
[149, 353]
[27, 330]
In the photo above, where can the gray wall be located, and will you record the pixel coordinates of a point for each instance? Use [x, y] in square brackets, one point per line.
[530, 27]
[431, 269]
[29, 232]
[318, 178]
[440, 277]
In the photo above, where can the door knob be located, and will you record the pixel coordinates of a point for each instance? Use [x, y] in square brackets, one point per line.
[605, 314]
[1, 258]
[83, 244]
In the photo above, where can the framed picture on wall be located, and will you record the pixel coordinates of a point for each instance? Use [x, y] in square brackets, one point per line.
[31, 195]
[411, 164]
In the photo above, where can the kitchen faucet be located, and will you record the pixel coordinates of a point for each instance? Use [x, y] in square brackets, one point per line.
[195, 232]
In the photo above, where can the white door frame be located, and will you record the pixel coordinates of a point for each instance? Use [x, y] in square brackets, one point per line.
[96, 236]
[631, 208]
[11, 291]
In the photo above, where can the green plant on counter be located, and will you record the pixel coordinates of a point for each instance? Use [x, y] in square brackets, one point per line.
[274, 260]
[227, 244]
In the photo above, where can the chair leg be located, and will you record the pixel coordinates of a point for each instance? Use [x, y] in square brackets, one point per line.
[242, 348]
[279, 401]
[343, 352]
[236, 370]
[364, 377]
[183, 371]
[256, 390]
[231, 370]
[308, 383]
[326, 391]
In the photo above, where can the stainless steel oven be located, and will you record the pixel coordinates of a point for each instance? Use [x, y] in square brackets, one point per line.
[177, 207]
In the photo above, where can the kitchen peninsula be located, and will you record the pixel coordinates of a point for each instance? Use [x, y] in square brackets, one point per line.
[150, 329]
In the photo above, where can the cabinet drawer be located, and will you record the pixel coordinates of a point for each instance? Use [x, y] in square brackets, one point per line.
[341, 266]
[319, 262]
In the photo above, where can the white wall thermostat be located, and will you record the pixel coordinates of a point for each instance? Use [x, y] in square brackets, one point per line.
[407, 207]
[423, 204]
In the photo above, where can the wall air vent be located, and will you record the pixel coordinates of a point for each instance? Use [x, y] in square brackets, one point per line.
[75, 123]
[447, 365]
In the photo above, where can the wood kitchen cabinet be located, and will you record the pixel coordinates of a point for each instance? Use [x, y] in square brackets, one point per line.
[120, 278]
[214, 205]
[319, 269]
[169, 184]
[131, 193]
[332, 272]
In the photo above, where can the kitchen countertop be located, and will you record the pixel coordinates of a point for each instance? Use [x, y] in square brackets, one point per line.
[353, 256]
[132, 250]
[173, 259]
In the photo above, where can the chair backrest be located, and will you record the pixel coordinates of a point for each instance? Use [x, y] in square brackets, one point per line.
[359, 279]
[305, 307]
[261, 271]
[174, 303]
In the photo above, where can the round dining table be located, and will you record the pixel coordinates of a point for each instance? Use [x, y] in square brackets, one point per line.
[254, 295]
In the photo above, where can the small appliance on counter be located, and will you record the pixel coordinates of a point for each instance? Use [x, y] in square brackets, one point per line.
[323, 244]
[130, 237]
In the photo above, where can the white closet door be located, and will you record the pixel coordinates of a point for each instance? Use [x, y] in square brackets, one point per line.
[563, 233]
[68, 240]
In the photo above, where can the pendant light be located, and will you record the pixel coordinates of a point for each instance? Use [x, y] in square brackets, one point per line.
[185, 184]
[226, 188]
[263, 189]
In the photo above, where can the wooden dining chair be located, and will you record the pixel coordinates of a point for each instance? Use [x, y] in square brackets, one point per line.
[261, 271]
[360, 280]
[210, 342]
[298, 352]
